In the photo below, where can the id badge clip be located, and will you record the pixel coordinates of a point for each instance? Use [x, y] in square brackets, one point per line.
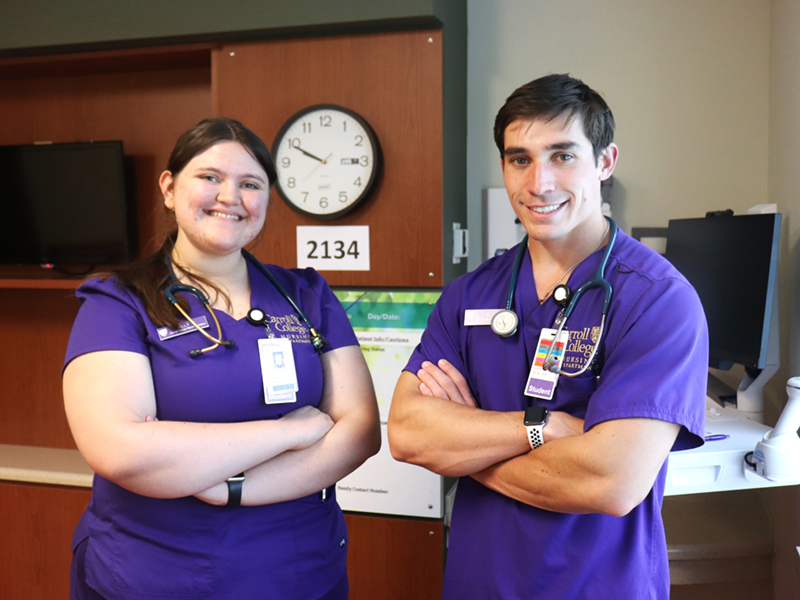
[278, 373]
[541, 383]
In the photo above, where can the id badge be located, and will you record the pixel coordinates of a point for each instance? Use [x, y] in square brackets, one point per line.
[542, 384]
[278, 373]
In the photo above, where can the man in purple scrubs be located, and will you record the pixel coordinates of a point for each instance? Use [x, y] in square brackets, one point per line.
[568, 504]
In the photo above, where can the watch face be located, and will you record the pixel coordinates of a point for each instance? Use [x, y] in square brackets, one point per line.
[535, 415]
[328, 161]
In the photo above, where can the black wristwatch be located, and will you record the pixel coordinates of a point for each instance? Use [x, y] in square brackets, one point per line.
[235, 490]
[535, 420]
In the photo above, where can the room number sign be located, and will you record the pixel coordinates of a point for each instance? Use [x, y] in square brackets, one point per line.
[333, 248]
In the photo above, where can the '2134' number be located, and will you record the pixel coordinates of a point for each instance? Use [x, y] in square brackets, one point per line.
[338, 249]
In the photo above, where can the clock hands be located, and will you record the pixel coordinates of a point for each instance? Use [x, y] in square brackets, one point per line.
[322, 160]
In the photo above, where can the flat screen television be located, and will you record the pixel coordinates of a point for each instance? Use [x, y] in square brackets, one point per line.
[65, 204]
[732, 262]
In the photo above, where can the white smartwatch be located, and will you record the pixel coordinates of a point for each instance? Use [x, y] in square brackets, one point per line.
[535, 420]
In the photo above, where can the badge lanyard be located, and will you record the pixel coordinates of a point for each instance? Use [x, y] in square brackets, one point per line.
[548, 361]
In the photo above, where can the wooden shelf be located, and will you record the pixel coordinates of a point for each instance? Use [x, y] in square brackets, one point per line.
[110, 61]
[40, 284]
[34, 277]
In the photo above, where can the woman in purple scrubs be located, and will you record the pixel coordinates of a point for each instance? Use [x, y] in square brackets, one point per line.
[215, 472]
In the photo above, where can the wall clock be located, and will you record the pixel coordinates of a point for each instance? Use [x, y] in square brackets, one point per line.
[328, 160]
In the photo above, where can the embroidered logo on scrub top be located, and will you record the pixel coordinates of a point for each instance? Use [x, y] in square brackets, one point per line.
[290, 327]
[579, 348]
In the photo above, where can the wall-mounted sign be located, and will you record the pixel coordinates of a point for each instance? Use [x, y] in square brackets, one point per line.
[388, 326]
[333, 247]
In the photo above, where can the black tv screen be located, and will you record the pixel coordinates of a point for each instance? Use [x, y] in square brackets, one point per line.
[65, 204]
[732, 262]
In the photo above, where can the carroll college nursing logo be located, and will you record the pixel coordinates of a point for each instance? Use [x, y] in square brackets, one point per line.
[291, 327]
[579, 347]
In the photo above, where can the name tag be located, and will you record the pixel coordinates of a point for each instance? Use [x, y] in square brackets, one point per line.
[278, 373]
[479, 316]
[165, 333]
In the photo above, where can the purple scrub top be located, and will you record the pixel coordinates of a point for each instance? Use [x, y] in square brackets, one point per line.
[140, 547]
[654, 358]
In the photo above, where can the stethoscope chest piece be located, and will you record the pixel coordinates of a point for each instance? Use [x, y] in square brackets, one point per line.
[504, 323]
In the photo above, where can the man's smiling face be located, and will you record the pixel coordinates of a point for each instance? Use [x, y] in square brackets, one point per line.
[553, 179]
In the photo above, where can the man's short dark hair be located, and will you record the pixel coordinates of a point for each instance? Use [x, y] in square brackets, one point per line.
[550, 97]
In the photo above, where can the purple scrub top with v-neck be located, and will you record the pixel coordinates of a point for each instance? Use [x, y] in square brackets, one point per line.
[654, 360]
[140, 547]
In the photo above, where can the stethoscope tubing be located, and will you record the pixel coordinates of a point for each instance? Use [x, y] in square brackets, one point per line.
[512, 287]
[317, 339]
[216, 341]
[176, 288]
[597, 281]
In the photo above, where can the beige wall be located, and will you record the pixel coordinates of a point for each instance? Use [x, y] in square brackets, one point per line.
[687, 81]
[706, 94]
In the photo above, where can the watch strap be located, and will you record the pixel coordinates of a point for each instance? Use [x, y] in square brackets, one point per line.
[535, 435]
[235, 490]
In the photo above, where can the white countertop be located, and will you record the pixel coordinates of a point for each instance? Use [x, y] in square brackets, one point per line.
[53, 466]
[717, 466]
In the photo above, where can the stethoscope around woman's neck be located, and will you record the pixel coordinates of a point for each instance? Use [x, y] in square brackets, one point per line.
[255, 316]
[506, 322]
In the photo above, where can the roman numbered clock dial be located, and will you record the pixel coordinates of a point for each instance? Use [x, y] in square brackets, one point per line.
[328, 160]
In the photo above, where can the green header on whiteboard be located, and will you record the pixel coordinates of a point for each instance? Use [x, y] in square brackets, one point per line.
[387, 310]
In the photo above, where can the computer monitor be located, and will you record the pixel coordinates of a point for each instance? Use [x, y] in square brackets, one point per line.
[732, 262]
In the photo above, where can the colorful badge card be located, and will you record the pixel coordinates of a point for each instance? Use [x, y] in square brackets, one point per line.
[541, 383]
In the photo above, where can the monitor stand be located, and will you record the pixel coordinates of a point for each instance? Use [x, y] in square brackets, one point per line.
[750, 395]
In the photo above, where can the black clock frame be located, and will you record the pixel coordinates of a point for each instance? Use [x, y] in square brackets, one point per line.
[369, 188]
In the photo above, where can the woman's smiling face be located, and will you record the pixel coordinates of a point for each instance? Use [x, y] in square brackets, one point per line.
[219, 199]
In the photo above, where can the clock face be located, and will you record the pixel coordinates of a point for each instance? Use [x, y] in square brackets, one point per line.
[328, 161]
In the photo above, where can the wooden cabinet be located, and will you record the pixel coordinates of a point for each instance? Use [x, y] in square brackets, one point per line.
[37, 523]
[147, 98]
[394, 558]
[392, 80]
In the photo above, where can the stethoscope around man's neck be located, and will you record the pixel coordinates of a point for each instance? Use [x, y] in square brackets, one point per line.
[506, 322]
[255, 316]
